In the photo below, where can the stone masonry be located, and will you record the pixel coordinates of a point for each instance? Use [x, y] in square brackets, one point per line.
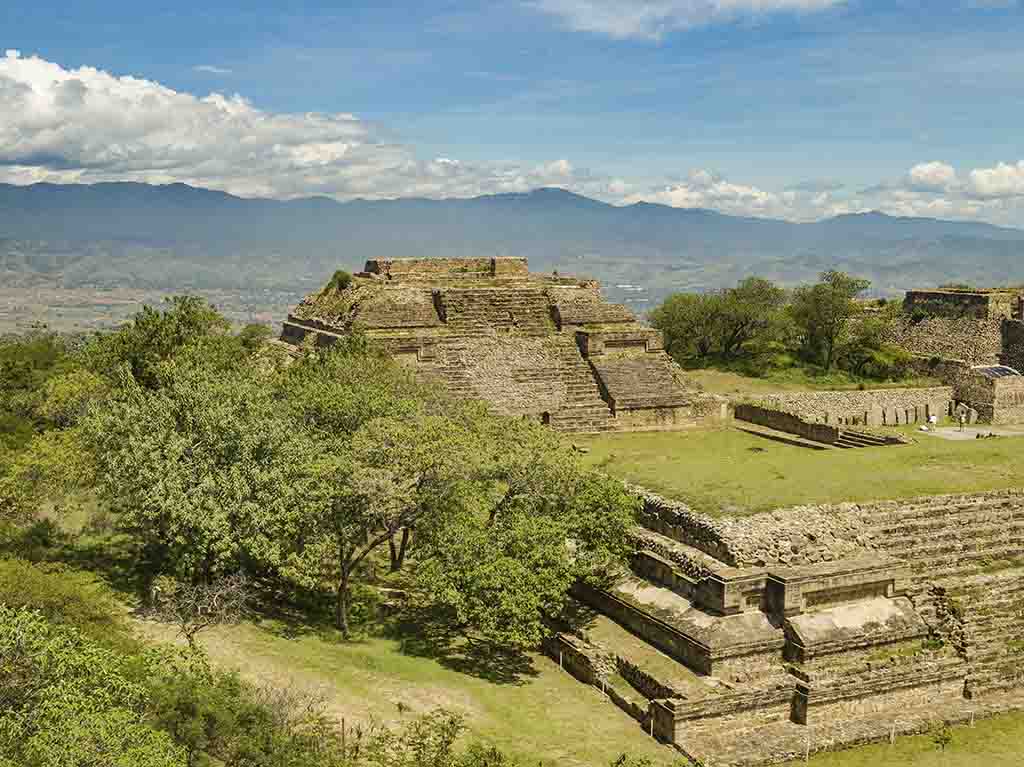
[959, 336]
[538, 346]
[748, 641]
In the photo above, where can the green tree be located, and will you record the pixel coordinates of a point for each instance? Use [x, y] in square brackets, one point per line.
[253, 336]
[65, 699]
[502, 558]
[362, 492]
[153, 337]
[52, 467]
[191, 468]
[823, 312]
[690, 323]
[748, 312]
[867, 351]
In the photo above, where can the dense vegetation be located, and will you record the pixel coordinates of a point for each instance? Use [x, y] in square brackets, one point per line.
[228, 470]
[758, 328]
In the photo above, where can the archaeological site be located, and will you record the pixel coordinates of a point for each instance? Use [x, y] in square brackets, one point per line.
[542, 346]
[745, 640]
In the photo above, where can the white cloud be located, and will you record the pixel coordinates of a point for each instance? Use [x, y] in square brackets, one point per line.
[210, 69]
[87, 125]
[652, 19]
[704, 189]
[1003, 181]
[932, 177]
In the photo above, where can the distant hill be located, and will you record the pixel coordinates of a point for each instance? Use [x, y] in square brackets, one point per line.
[178, 237]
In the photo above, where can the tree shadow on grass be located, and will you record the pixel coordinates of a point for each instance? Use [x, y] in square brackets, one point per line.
[430, 633]
[112, 557]
[285, 618]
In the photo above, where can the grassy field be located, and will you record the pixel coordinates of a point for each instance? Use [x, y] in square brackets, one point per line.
[525, 705]
[996, 742]
[730, 471]
[533, 710]
[794, 379]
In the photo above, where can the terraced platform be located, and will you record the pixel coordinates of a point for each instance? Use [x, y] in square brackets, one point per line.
[543, 347]
[883, 618]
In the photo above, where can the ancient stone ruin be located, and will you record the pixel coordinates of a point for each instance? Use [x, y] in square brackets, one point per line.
[753, 640]
[972, 339]
[541, 346]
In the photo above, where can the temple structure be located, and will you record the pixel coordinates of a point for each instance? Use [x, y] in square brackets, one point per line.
[541, 346]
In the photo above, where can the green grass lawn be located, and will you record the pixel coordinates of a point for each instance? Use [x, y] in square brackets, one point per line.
[995, 742]
[730, 383]
[729, 471]
[528, 707]
[539, 714]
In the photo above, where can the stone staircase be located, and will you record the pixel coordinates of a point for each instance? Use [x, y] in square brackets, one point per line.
[967, 561]
[849, 438]
[943, 541]
[563, 368]
[585, 410]
[478, 311]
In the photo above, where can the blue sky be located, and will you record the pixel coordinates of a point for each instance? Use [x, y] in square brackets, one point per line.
[792, 108]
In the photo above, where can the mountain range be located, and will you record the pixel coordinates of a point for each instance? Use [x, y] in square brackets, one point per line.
[177, 237]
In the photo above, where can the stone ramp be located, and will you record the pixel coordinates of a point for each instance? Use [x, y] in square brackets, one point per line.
[646, 381]
[633, 651]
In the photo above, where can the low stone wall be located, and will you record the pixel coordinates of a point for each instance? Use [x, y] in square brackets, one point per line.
[434, 267]
[676, 520]
[594, 666]
[831, 405]
[585, 661]
[880, 690]
[794, 536]
[787, 422]
[658, 633]
[644, 683]
[657, 570]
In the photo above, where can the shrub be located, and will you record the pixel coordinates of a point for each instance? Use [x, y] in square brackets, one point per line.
[339, 280]
[64, 597]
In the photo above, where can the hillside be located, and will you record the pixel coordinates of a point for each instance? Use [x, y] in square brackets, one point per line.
[178, 237]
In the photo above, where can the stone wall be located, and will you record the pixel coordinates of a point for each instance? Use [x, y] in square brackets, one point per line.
[795, 536]
[433, 267]
[824, 405]
[1008, 400]
[586, 306]
[655, 419]
[656, 632]
[953, 304]
[787, 422]
[973, 340]
[1013, 344]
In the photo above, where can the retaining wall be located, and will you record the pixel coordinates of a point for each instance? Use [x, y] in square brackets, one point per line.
[787, 422]
[977, 341]
[816, 405]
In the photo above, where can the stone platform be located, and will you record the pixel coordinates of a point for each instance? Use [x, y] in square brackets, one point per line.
[754, 640]
[539, 346]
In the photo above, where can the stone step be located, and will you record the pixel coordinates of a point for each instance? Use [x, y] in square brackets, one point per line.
[937, 520]
[949, 543]
[911, 546]
[943, 568]
[886, 518]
